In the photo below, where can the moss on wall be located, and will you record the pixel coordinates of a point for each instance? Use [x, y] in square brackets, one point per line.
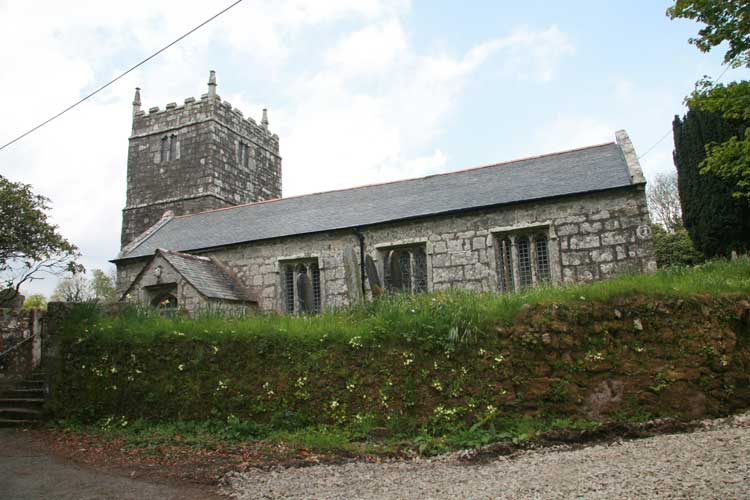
[615, 358]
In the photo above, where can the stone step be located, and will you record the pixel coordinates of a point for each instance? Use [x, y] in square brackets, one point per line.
[15, 413]
[6, 422]
[31, 384]
[24, 393]
[32, 403]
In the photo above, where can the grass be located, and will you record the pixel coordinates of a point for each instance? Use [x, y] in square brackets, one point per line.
[354, 440]
[439, 318]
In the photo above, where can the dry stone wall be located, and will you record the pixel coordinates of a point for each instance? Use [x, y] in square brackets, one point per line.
[18, 341]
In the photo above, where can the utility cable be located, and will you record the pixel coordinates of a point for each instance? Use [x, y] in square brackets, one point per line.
[120, 76]
[670, 130]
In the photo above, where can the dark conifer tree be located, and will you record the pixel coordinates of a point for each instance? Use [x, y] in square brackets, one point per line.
[716, 222]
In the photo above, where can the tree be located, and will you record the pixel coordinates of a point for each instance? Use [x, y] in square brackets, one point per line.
[30, 245]
[674, 248]
[75, 288]
[716, 222]
[725, 21]
[78, 288]
[730, 159]
[664, 202]
[36, 301]
[103, 286]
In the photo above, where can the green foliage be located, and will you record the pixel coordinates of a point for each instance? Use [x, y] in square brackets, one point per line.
[36, 301]
[103, 286]
[675, 248]
[728, 158]
[29, 244]
[389, 371]
[716, 222]
[72, 289]
[78, 288]
[725, 21]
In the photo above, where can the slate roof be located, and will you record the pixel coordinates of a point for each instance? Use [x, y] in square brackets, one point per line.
[209, 278]
[589, 169]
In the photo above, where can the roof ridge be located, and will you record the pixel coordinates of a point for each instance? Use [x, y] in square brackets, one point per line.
[185, 255]
[467, 169]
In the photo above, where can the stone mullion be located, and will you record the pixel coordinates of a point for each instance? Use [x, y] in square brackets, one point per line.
[514, 263]
[532, 259]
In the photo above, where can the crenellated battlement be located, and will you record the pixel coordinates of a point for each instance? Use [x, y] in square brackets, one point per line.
[208, 106]
[199, 155]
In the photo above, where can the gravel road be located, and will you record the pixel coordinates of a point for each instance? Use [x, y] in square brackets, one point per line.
[711, 463]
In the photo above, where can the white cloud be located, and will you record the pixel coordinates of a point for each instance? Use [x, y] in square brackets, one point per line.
[371, 50]
[369, 109]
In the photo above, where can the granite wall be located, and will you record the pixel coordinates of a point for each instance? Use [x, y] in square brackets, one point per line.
[204, 168]
[591, 237]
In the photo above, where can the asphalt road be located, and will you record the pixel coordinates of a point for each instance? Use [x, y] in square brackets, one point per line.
[29, 472]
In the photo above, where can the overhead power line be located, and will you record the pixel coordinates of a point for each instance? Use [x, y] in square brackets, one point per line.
[670, 131]
[144, 61]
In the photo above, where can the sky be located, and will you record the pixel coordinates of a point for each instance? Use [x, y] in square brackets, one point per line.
[358, 91]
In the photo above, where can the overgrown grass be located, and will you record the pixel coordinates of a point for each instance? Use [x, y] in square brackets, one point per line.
[354, 439]
[428, 372]
[437, 319]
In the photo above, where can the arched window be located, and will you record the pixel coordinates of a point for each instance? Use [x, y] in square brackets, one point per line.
[301, 287]
[522, 260]
[405, 269]
[164, 155]
[165, 301]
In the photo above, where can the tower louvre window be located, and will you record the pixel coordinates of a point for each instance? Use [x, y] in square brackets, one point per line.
[173, 147]
[243, 154]
[164, 148]
[522, 260]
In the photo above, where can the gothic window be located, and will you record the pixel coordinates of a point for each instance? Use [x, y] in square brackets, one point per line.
[172, 147]
[301, 287]
[405, 269]
[244, 154]
[165, 301]
[164, 148]
[522, 260]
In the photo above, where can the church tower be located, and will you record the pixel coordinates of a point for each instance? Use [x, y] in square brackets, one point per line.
[195, 157]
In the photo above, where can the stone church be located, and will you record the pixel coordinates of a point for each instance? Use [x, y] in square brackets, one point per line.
[205, 223]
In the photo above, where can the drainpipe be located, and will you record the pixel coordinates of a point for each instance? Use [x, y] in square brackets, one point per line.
[361, 238]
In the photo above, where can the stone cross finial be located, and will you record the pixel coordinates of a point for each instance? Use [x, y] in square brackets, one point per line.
[137, 100]
[264, 121]
[212, 84]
